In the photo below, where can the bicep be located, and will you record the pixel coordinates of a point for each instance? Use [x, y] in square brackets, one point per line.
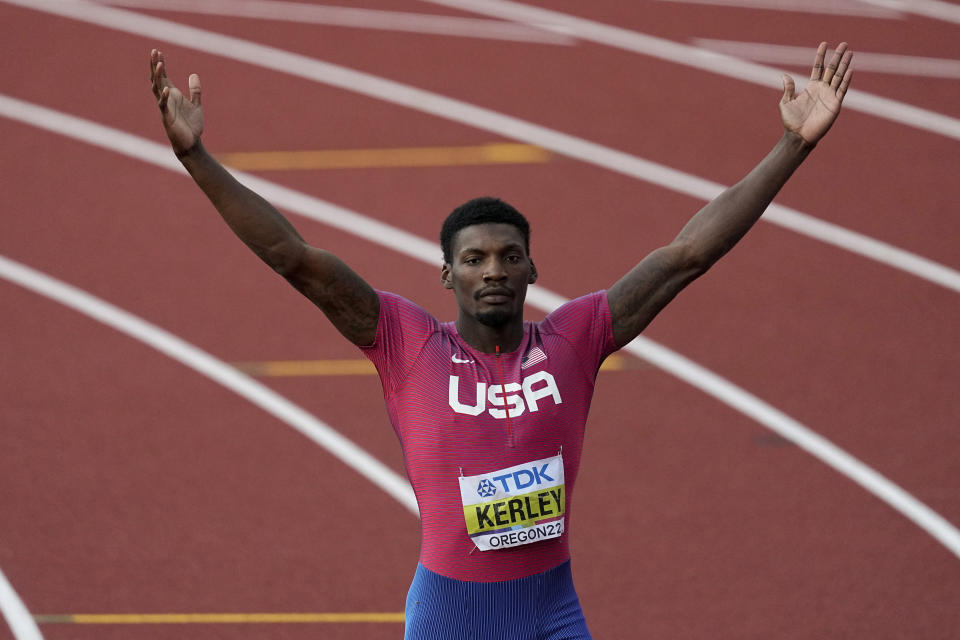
[645, 290]
[344, 297]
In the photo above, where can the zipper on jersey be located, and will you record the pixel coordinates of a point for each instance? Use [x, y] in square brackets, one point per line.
[506, 404]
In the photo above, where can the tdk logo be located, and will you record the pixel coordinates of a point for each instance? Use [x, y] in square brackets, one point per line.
[521, 479]
[514, 397]
[486, 489]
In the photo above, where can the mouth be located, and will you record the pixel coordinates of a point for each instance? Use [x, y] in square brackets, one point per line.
[494, 295]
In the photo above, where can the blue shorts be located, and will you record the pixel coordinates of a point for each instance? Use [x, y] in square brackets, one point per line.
[544, 606]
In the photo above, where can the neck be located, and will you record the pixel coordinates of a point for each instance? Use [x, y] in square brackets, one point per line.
[486, 339]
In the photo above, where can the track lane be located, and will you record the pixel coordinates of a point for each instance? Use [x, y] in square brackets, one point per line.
[738, 528]
[168, 498]
[760, 149]
[417, 210]
[588, 107]
[164, 524]
[268, 189]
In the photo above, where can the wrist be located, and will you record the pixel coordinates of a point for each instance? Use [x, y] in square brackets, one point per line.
[796, 144]
[193, 151]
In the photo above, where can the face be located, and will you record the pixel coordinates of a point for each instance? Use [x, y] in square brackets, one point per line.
[489, 273]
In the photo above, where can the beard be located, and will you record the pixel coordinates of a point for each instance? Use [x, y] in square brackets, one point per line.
[495, 319]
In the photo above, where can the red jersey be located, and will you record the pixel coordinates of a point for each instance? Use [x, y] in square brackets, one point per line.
[459, 412]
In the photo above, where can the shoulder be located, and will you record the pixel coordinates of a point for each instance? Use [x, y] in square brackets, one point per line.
[584, 325]
[393, 304]
[401, 319]
[586, 309]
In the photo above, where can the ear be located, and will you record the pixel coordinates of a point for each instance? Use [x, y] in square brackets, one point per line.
[533, 273]
[445, 278]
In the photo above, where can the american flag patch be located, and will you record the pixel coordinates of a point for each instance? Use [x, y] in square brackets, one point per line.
[534, 356]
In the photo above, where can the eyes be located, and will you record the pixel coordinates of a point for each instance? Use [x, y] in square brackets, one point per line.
[475, 260]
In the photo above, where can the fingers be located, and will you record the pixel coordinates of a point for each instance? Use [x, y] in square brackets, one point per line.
[841, 72]
[153, 71]
[789, 88]
[832, 68]
[158, 72]
[153, 62]
[156, 83]
[818, 62]
[836, 74]
[842, 89]
[162, 99]
[194, 84]
[161, 84]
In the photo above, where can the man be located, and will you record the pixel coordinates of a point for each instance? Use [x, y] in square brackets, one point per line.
[489, 409]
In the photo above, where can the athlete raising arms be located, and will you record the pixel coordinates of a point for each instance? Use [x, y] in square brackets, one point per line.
[490, 409]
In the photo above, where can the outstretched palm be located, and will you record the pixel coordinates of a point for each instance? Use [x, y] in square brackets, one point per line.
[182, 118]
[810, 114]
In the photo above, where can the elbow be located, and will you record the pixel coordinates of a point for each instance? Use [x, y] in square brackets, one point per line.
[285, 258]
[691, 259]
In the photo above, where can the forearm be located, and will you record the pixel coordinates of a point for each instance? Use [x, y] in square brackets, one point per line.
[716, 228]
[254, 220]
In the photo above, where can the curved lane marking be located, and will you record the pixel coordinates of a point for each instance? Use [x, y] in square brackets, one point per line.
[867, 61]
[691, 56]
[477, 117]
[202, 362]
[20, 621]
[823, 7]
[358, 18]
[936, 9]
[420, 249]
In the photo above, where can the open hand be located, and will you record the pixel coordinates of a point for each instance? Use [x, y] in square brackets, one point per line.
[811, 113]
[182, 118]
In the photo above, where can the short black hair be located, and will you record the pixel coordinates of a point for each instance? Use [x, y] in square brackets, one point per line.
[484, 210]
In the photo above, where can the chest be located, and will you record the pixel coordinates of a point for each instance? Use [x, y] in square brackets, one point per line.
[461, 406]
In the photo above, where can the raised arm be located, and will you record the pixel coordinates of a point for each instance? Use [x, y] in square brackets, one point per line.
[346, 299]
[640, 295]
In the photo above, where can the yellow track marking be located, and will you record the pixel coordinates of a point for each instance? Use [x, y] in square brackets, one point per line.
[616, 362]
[287, 368]
[496, 153]
[217, 618]
[363, 367]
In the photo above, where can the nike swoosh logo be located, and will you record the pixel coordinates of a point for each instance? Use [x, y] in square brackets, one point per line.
[457, 360]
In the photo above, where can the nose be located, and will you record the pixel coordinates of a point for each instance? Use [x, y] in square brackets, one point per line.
[494, 270]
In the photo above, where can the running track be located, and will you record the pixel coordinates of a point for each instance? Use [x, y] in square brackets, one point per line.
[130, 484]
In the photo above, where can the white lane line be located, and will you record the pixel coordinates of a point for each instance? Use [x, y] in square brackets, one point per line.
[866, 61]
[824, 7]
[679, 53]
[425, 101]
[355, 18]
[395, 485]
[19, 620]
[411, 245]
[935, 9]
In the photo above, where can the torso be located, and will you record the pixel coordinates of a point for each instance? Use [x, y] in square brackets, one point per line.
[447, 404]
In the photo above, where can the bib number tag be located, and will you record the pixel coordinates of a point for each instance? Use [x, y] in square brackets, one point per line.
[515, 506]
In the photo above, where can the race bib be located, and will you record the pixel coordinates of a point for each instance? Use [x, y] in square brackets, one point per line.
[514, 506]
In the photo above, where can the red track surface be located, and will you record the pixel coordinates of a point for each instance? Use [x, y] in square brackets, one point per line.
[129, 484]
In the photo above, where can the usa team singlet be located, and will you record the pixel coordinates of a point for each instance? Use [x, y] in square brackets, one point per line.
[491, 442]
